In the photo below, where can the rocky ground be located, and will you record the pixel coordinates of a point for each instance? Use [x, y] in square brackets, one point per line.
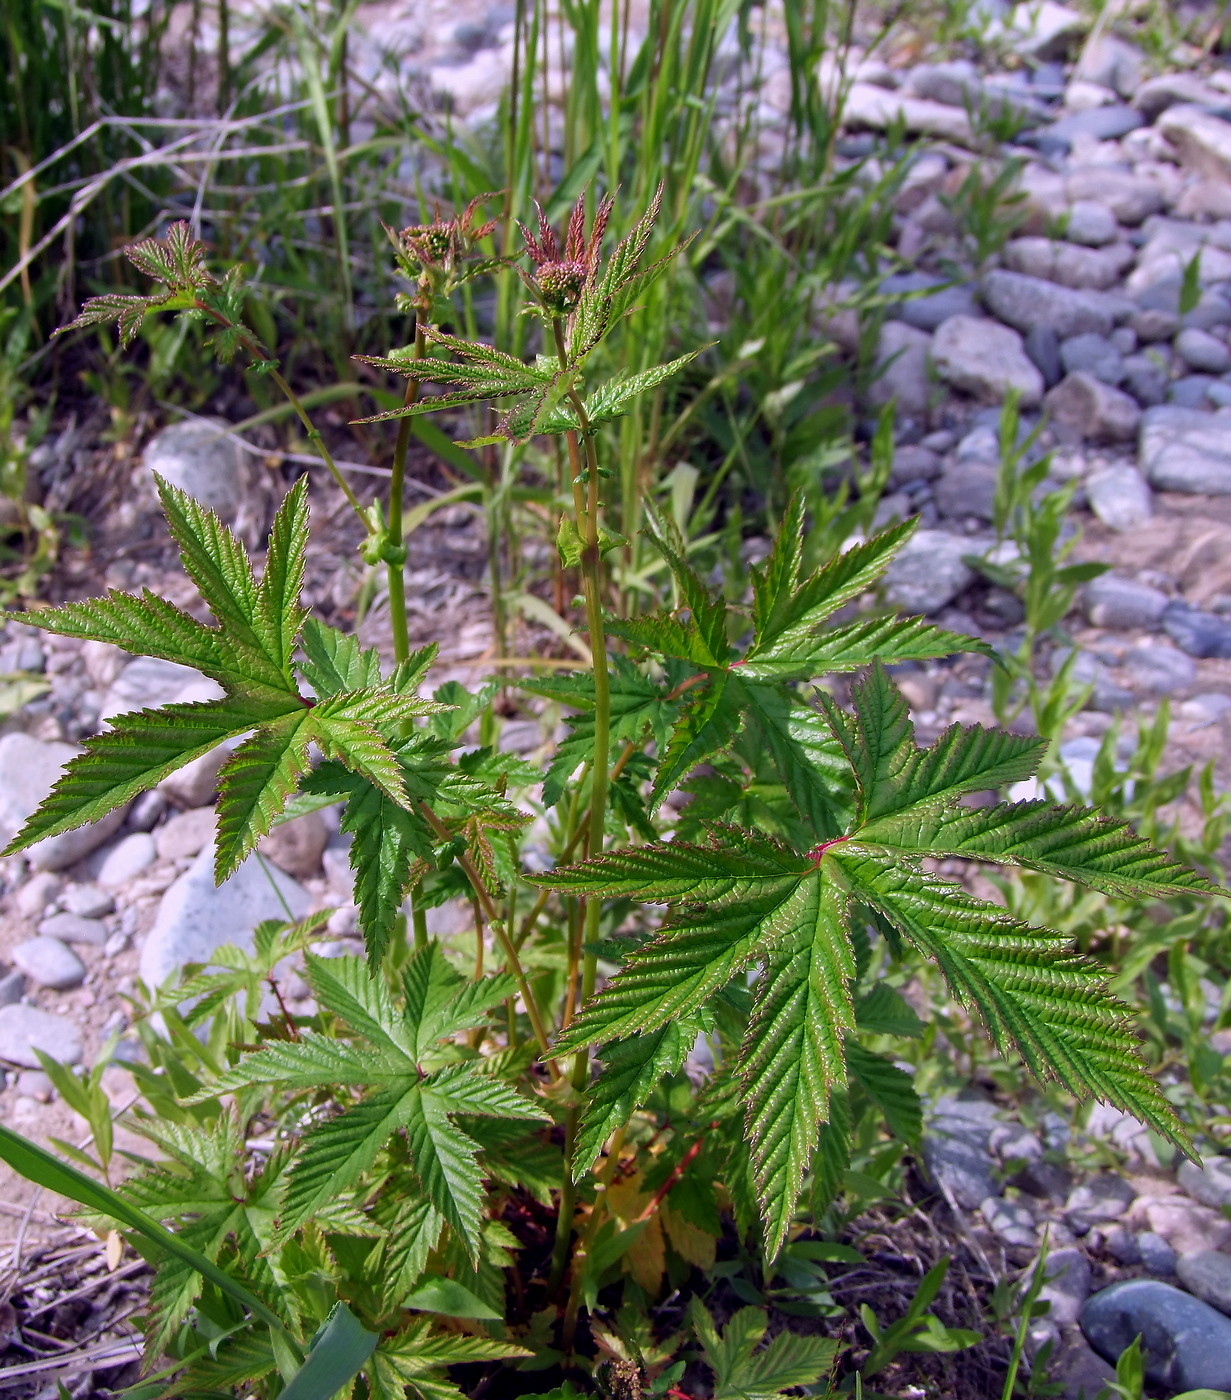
[1085, 313]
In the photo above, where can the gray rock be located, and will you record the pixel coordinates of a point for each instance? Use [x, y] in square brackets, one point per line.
[1011, 1221]
[49, 963]
[1042, 344]
[1131, 198]
[1157, 94]
[1157, 1256]
[297, 846]
[29, 769]
[1045, 30]
[1090, 223]
[877, 109]
[40, 890]
[1202, 139]
[1207, 1275]
[1182, 449]
[1203, 351]
[1159, 669]
[1146, 379]
[956, 1157]
[1112, 601]
[1153, 323]
[1068, 264]
[196, 917]
[902, 369]
[87, 901]
[1113, 63]
[929, 313]
[126, 860]
[12, 988]
[34, 1084]
[958, 84]
[985, 360]
[1103, 123]
[1067, 1272]
[23, 1029]
[195, 784]
[1198, 633]
[185, 834]
[146, 810]
[912, 462]
[74, 928]
[1080, 1370]
[1092, 354]
[1120, 1242]
[1209, 1183]
[1193, 391]
[1186, 1343]
[149, 681]
[1119, 496]
[928, 573]
[201, 459]
[1024, 302]
[967, 489]
[1090, 409]
[1101, 1198]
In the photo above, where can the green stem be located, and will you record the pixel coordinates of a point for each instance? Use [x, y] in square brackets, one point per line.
[395, 556]
[598, 1213]
[587, 507]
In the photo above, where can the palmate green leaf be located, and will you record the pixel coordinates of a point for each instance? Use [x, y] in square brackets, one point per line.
[806, 754]
[250, 654]
[707, 610]
[414, 1231]
[633, 1070]
[747, 900]
[345, 988]
[335, 661]
[413, 1361]
[638, 704]
[313, 1061]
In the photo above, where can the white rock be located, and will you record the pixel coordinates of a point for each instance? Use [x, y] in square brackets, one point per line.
[878, 109]
[196, 917]
[1045, 29]
[199, 458]
[25, 1028]
[195, 784]
[149, 682]
[49, 963]
[128, 858]
[1202, 139]
[1119, 496]
[87, 901]
[185, 834]
[1092, 409]
[40, 890]
[902, 357]
[74, 928]
[29, 768]
[1183, 449]
[985, 359]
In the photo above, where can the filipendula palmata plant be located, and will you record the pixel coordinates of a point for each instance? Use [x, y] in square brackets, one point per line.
[408, 1098]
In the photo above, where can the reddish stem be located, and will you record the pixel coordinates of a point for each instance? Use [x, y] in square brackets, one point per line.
[816, 854]
[677, 1171]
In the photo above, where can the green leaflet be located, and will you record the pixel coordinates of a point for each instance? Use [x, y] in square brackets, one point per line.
[633, 1069]
[792, 1057]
